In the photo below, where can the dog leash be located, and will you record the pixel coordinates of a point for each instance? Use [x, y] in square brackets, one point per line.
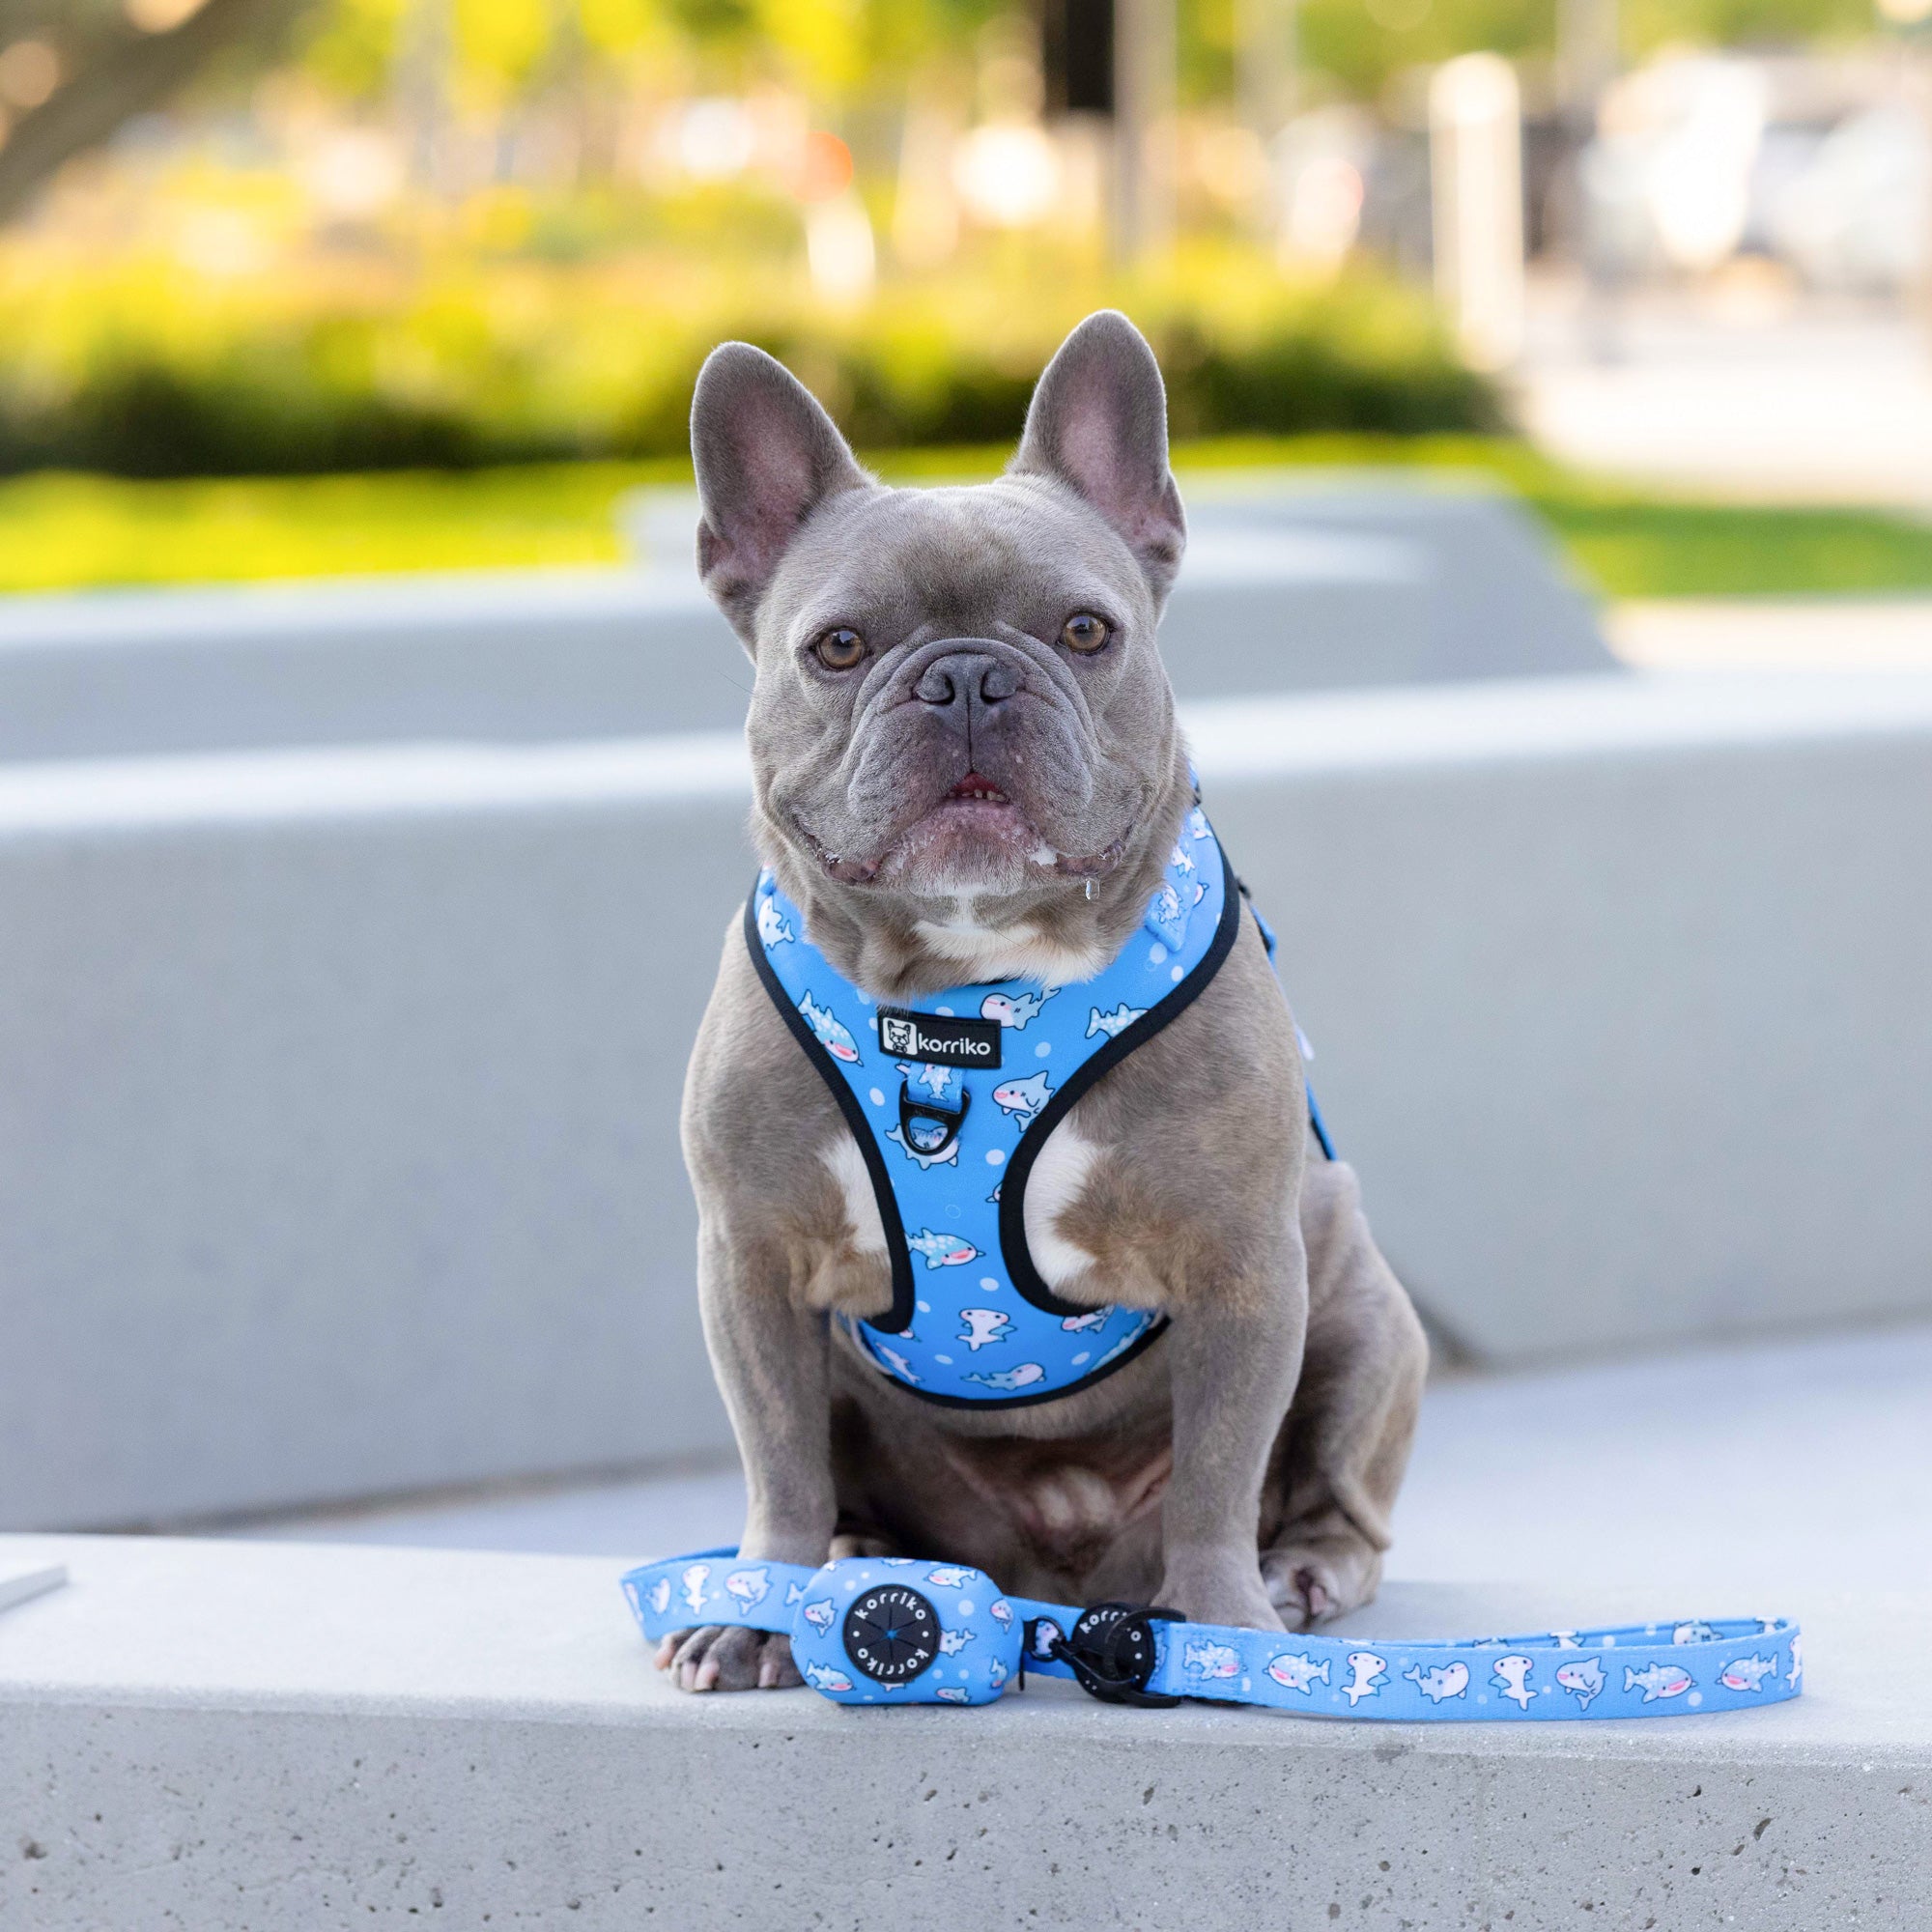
[895, 1630]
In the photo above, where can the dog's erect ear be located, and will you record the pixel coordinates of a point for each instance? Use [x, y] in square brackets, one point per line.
[766, 455]
[1099, 421]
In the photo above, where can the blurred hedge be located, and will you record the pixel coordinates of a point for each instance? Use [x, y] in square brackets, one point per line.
[140, 368]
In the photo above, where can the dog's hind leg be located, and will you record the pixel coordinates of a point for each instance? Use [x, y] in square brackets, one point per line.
[1339, 1459]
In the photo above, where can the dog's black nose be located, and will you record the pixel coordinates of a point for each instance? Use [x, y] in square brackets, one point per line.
[962, 682]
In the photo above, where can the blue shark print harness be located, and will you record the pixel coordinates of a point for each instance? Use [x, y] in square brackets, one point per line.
[899, 1629]
[950, 1102]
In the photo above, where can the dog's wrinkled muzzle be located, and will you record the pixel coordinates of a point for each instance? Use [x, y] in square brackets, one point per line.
[895, 1630]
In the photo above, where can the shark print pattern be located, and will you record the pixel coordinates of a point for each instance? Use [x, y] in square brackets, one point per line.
[1000, 1061]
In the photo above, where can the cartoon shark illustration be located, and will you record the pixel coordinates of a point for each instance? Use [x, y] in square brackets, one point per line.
[1657, 1680]
[1197, 824]
[1566, 1640]
[1583, 1679]
[1125, 1342]
[819, 1615]
[996, 1673]
[1023, 1376]
[952, 1642]
[1002, 1612]
[949, 1578]
[1768, 1626]
[953, 1696]
[898, 1363]
[899, 1562]
[1024, 1098]
[693, 1584]
[1692, 1633]
[822, 1677]
[1015, 1010]
[1439, 1680]
[1180, 858]
[941, 1082]
[774, 927]
[994, 1197]
[1113, 1024]
[1045, 1635]
[830, 1035]
[794, 1594]
[749, 1588]
[1746, 1673]
[941, 1250]
[1512, 1673]
[1166, 918]
[1211, 1659]
[1199, 890]
[983, 1325]
[1095, 1317]
[660, 1595]
[1369, 1671]
[1295, 1671]
[1796, 1674]
[947, 1156]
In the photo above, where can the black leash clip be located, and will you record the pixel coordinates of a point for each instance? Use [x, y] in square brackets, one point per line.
[1111, 1652]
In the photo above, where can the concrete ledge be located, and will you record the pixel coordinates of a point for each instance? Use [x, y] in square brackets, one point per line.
[338, 1090]
[1282, 590]
[266, 1737]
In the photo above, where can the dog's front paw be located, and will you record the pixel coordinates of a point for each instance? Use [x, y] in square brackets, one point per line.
[1310, 1582]
[724, 1657]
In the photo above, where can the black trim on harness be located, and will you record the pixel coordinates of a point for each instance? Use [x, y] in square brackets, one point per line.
[1026, 1278]
[899, 1315]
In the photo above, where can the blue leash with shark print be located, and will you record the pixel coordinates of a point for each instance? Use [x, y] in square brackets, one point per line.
[893, 1630]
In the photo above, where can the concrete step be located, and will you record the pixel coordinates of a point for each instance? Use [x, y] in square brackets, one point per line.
[1283, 589]
[338, 1090]
[266, 1737]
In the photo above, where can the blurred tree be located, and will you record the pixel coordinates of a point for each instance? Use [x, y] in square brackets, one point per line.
[110, 62]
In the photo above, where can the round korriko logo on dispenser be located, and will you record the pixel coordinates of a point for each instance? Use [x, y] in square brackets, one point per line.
[891, 1633]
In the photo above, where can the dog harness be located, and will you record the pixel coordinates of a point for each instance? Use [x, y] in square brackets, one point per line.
[951, 1102]
[894, 1630]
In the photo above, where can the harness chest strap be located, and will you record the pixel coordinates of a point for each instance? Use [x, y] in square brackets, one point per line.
[950, 1102]
[899, 1629]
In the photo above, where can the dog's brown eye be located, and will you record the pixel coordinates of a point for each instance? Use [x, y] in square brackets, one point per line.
[1084, 633]
[840, 649]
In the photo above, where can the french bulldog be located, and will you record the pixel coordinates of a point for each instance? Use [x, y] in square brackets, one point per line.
[967, 768]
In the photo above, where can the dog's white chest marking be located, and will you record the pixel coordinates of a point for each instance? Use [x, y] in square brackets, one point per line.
[1059, 1176]
[847, 1166]
[986, 954]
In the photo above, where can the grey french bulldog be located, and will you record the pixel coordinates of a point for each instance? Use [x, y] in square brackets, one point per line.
[967, 768]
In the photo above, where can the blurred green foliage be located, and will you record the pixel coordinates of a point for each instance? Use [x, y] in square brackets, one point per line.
[65, 531]
[138, 367]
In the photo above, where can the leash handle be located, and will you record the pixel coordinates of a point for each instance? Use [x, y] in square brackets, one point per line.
[903, 1629]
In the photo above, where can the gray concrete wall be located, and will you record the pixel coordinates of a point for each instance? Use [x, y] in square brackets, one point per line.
[338, 1090]
[1313, 588]
[280, 1739]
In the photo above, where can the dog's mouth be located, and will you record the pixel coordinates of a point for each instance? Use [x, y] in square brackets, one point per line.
[973, 836]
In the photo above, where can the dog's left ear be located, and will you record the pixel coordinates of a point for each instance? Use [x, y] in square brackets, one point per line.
[1099, 422]
[766, 456]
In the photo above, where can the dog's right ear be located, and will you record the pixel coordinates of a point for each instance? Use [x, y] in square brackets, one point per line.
[766, 455]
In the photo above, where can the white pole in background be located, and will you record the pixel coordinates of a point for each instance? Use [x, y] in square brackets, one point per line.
[1475, 164]
[1144, 80]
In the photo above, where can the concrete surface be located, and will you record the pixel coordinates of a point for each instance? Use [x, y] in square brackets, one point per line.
[1282, 588]
[338, 1089]
[229, 1736]
[1712, 1475]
